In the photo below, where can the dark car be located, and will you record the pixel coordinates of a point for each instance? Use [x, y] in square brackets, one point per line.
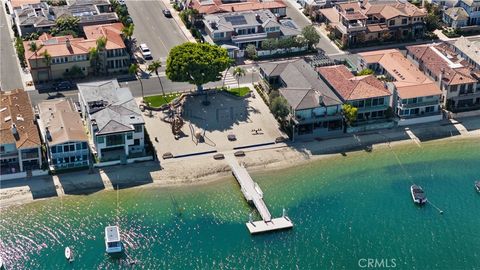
[167, 13]
[63, 85]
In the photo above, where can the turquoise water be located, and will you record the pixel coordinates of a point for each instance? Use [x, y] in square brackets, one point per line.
[344, 209]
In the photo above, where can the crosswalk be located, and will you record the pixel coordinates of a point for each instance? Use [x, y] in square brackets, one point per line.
[230, 81]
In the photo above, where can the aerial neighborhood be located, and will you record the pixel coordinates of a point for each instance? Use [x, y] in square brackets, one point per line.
[93, 84]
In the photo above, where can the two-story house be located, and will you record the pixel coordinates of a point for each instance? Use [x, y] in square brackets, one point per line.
[113, 120]
[20, 144]
[416, 98]
[63, 134]
[363, 21]
[206, 7]
[458, 80]
[472, 8]
[366, 93]
[315, 110]
[70, 57]
[468, 50]
[33, 18]
[243, 28]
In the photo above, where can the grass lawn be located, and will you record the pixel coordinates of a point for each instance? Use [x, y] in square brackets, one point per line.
[159, 100]
[239, 92]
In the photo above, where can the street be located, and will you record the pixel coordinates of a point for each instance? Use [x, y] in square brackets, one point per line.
[152, 28]
[9, 69]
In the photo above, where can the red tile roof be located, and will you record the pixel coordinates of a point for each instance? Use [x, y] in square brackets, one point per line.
[351, 87]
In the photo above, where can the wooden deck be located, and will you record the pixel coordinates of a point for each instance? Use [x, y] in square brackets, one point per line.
[252, 193]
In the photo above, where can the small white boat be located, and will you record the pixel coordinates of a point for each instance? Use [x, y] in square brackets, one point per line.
[477, 186]
[418, 195]
[68, 253]
[113, 243]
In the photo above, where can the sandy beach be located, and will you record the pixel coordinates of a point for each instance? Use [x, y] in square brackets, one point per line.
[204, 169]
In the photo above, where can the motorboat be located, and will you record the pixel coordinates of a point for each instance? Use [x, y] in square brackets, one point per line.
[477, 186]
[68, 253]
[418, 195]
[113, 243]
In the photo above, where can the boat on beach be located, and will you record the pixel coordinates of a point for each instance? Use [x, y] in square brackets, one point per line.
[477, 186]
[113, 243]
[418, 195]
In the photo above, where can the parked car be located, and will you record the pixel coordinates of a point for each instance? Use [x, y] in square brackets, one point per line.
[167, 13]
[63, 85]
[146, 53]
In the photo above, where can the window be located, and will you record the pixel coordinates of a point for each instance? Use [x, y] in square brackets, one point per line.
[391, 23]
[84, 145]
[129, 136]
[375, 102]
[453, 88]
[53, 149]
[404, 21]
[59, 149]
[72, 147]
[2, 149]
[100, 139]
[138, 128]
[65, 148]
[218, 35]
[84, 157]
[136, 142]
[78, 146]
[117, 139]
[429, 109]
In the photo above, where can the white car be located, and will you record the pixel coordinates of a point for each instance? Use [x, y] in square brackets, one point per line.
[146, 53]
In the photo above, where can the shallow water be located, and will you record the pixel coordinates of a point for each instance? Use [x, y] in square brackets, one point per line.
[344, 209]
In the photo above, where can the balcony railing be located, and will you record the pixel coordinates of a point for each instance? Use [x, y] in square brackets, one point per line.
[419, 104]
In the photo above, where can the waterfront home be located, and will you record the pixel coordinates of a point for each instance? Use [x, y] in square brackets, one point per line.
[458, 80]
[63, 135]
[416, 98]
[370, 95]
[20, 144]
[472, 8]
[248, 27]
[455, 17]
[205, 7]
[113, 119]
[355, 23]
[70, 57]
[315, 110]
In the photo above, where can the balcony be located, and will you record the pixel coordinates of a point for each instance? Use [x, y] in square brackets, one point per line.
[419, 104]
[249, 37]
[29, 156]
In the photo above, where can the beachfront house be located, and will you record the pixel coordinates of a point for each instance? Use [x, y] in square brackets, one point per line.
[63, 135]
[20, 144]
[366, 93]
[205, 7]
[114, 121]
[315, 109]
[456, 77]
[416, 98]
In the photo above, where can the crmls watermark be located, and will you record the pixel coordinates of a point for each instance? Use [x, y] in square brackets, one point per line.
[377, 263]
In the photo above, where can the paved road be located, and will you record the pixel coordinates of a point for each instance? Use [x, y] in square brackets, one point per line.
[153, 28]
[297, 16]
[151, 86]
[9, 73]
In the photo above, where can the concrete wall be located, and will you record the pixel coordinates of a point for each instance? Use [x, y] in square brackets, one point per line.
[419, 120]
[22, 175]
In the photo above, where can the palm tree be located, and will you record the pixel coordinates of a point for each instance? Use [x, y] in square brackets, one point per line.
[153, 67]
[127, 31]
[47, 58]
[33, 47]
[135, 70]
[94, 59]
[237, 73]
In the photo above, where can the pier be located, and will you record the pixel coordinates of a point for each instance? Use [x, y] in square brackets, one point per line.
[253, 194]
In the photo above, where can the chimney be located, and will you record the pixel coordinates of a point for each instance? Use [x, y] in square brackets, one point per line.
[14, 131]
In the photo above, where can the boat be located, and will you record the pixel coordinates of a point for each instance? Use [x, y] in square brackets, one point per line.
[477, 186]
[68, 253]
[113, 243]
[418, 195]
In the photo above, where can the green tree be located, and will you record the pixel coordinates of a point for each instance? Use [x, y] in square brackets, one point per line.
[365, 71]
[197, 63]
[269, 44]
[432, 21]
[349, 114]
[280, 108]
[66, 25]
[251, 51]
[96, 54]
[20, 50]
[153, 67]
[239, 72]
[136, 71]
[47, 58]
[127, 32]
[311, 36]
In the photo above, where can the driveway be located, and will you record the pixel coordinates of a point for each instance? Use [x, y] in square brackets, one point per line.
[151, 27]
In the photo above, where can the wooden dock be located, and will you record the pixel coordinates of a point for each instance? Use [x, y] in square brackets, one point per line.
[253, 194]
